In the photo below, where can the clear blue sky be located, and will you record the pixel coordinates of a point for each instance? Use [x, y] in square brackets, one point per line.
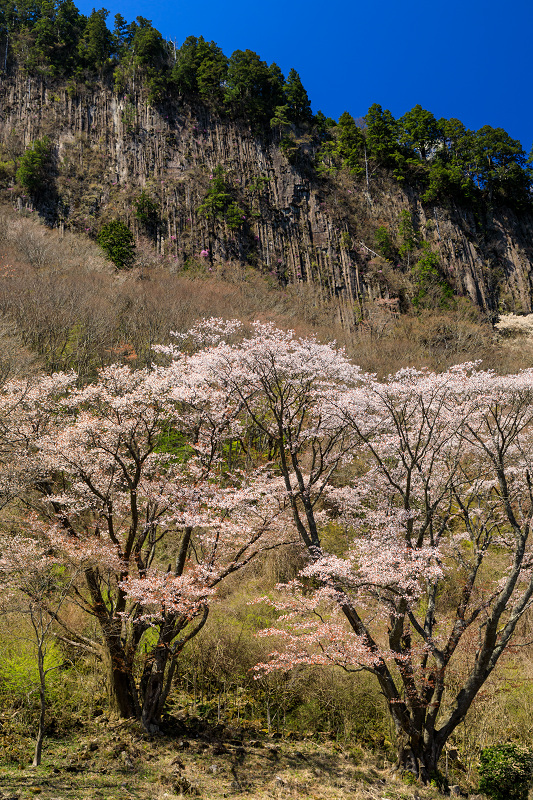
[462, 58]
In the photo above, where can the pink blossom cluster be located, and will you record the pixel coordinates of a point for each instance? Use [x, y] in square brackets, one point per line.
[411, 498]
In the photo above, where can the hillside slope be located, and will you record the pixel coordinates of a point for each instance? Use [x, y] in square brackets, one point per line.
[112, 153]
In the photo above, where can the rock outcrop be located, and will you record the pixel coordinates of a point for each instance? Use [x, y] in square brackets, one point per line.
[296, 226]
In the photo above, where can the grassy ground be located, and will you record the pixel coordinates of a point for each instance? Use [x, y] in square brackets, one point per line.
[116, 761]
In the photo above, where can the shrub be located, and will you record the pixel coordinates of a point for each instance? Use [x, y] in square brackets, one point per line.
[33, 167]
[506, 771]
[383, 243]
[408, 235]
[219, 202]
[146, 211]
[432, 288]
[7, 171]
[118, 243]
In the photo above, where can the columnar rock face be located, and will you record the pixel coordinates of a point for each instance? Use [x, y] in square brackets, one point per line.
[295, 226]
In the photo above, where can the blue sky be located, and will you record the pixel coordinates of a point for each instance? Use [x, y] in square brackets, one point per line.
[462, 58]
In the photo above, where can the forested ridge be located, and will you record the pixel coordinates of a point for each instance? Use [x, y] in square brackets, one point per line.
[236, 556]
[52, 39]
[211, 158]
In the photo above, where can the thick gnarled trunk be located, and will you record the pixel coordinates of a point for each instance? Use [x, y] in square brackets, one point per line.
[121, 686]
[420, 756]
[152, 688]
[145, 700]
[159, 668]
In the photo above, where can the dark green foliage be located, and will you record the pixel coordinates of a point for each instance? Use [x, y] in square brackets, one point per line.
[149, 56]
[281, 119]
[506, 772]
[478, 165]
[200, 68]
[323, 124]
[350, 143]
[158, 86]
[121, 34]
[148, 45]
[344, 144]
[288, 142]
[234, 216]
[118, 243]
[408, 235]
[297, 99]
[276, 92]
[427, 265]
[456, 143]
[383, 243]
[69, 25]
[144, 58]
[41, 35]
[96, 44]
[253, 89]
[211, 75]
[286, 117]
[188, 59]
[147, 213]
[432, 289]
[450, 170]
[33, 171]
[450, 160]
[53, 40]
[218, 197]
[499, 164]
[41, 51]
[219, 202]
[419, 130]
[448, 181]
[382, 139]
[289, 146]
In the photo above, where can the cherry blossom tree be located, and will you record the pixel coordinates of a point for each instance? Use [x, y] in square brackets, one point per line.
[130, 486]
[281, 390]
[25, 408]
[426, 479]
[412, 497]
[437, 568]
[441, 524]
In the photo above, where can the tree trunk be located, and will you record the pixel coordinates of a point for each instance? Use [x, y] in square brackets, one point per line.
[121, 688]
[419, 756]
[160, 664]
[153, 683]
[42, 714]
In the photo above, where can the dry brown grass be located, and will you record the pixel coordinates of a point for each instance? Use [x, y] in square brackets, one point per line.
[387, 342]
[68, 305]
[114, 761]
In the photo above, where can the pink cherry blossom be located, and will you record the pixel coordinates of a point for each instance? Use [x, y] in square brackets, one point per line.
[424, 479]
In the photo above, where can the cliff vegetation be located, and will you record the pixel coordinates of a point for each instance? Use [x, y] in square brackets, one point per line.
[212, 159]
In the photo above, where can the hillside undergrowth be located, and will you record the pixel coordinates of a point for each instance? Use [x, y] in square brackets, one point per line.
[89, 315]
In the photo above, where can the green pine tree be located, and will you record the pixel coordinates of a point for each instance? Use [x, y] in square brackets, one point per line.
[33, 171]
[297, 99]
[117, 241]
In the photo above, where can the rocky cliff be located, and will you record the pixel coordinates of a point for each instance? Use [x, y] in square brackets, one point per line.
[295, 225]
